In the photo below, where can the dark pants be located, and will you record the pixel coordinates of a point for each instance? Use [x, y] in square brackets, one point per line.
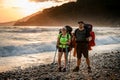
[82, 48]
[63, 49]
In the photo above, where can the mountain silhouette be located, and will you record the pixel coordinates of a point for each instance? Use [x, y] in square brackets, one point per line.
[96, 12]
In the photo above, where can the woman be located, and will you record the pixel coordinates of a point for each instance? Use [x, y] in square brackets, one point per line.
[63, 43]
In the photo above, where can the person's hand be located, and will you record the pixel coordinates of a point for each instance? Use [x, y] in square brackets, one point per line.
[89, 39]
[68, 43]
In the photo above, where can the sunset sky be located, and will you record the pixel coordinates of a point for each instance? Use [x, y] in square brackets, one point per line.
[11, 10]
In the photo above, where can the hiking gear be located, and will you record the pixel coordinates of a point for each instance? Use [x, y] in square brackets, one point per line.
[92, 42]
[69, 60]
[67, 54]
[87, 34]
[61, 35]
[54, 56]
[64, 69]
[88, 27]
[59, 69]
[76, 69]
[89, 67]
[63, 40]
[89, 70]
[69, 29]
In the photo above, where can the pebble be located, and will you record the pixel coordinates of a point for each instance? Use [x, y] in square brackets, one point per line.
[104, 66]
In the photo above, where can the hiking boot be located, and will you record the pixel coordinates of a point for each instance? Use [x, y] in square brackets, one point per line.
[64, 69]
[59, 69]
[76, 69]
[89, 70]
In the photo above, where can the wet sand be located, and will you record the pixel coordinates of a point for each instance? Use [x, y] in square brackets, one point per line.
[24, 61]
[105, 66]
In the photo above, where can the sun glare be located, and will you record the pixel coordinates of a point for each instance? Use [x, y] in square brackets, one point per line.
[27, 7]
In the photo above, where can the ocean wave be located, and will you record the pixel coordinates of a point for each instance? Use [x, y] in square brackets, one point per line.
[33, 48]
[15, 42]
[27, 30]
[26, 49]
[106, 40]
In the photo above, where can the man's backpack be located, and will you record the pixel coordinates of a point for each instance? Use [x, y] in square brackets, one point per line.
[88, 27]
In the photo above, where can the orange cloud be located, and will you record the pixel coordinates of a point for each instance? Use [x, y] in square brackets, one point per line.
[52, 0]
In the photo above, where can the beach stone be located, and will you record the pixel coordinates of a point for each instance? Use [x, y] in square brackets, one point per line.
[105, 66]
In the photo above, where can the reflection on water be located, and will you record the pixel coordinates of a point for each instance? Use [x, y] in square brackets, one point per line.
[21, 62]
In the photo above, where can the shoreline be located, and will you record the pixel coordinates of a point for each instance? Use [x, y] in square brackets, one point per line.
[105, 66]
[24, 61]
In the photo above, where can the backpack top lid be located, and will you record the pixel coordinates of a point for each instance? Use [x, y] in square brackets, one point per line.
[69, 28]
[89, 27]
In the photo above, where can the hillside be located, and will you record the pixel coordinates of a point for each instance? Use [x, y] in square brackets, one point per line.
[97, 12]
[11, 23]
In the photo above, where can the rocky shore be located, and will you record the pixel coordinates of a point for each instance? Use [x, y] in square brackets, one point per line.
[105, 66]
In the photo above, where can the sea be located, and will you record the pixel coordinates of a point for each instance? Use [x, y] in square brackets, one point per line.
[26, 46]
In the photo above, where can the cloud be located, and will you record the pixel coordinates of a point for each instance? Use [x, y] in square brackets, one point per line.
[38, 0]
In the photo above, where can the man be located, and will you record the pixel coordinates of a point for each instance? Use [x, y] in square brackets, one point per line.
[82, 37]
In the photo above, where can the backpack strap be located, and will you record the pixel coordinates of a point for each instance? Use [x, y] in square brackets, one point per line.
[76, 32]
[60, 36]
[87, 33]
[67, 36]
[86, 30]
